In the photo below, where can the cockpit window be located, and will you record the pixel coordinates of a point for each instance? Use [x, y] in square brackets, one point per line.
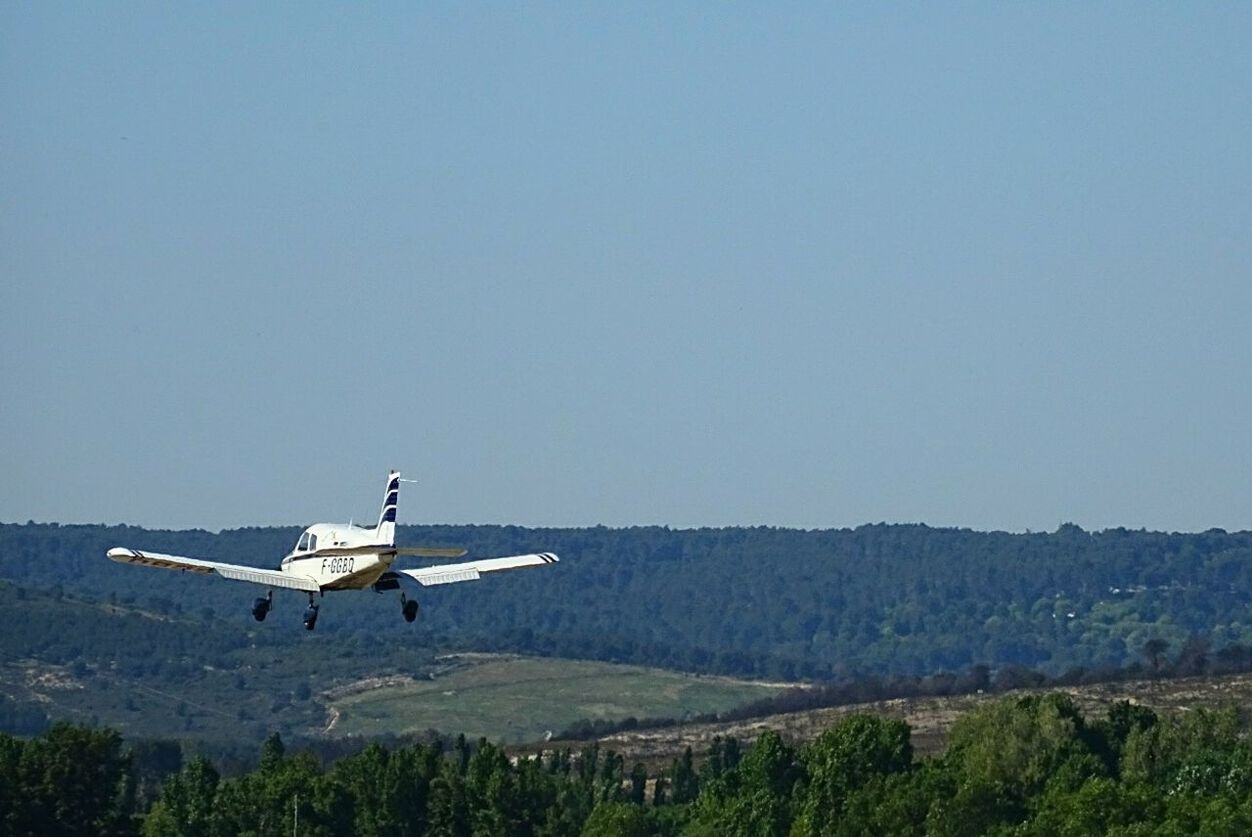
[312, 542]
[303, 544]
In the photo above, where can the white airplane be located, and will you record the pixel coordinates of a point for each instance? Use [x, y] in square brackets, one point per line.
[344, 556]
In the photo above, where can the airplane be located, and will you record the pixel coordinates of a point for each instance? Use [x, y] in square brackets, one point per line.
[344, 556]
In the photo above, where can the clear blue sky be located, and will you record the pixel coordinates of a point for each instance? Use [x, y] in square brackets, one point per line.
[986, 265]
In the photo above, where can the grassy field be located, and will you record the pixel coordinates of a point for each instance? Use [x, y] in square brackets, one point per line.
[519, 699]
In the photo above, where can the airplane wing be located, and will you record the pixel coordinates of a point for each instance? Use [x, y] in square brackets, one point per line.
[235, 572]
[471, 570]
[382, 549]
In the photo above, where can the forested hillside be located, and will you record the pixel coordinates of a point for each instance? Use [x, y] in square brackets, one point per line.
[149, 675]
[775, 603]
[1031, 765]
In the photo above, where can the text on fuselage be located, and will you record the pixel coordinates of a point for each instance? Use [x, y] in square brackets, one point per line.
[338, 565]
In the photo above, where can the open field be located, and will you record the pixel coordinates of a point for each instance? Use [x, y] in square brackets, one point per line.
[930, 718]
[520, 699]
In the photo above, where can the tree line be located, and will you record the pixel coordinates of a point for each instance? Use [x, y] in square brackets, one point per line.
[1026, 765]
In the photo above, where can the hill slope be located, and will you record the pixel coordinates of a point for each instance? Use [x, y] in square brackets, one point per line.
[768, 603]
[929, 718]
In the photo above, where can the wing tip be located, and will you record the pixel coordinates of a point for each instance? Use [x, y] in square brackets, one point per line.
[121, 553]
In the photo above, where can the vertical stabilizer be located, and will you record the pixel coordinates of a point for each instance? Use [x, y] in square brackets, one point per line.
[387, 517]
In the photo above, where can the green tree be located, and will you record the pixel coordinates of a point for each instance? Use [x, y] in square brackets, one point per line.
[617, 819]
[897, 803]
[266, 801]
[1155, 755]
[15, 810]
[684, 785]
[152, 762]
[755, 798]
[1100, 806]
[495, 805]
[638, 784]
[843, 759]
[1005, 753]
[76, 781]
[186, 803]
[272, 752]
[1019, 743]
[1122, 719]
[1197, 814]
[611, 778]
[383, 791]
[449, 810]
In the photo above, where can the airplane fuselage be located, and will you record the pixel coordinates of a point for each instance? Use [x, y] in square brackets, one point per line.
[337, 572]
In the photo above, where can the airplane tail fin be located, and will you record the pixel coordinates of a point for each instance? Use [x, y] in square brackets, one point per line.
[387, 517]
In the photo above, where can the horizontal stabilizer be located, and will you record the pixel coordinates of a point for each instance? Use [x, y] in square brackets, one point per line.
[235, 572]
[431, 551]
[383, 549]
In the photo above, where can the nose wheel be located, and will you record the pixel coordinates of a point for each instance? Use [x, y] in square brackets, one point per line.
[408, 607]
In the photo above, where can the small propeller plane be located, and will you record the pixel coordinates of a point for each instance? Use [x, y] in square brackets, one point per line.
[344, 556]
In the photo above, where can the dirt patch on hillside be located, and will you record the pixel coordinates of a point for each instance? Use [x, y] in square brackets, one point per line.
[34, 681]
[929, 718]
[38, 676]
[368, 684]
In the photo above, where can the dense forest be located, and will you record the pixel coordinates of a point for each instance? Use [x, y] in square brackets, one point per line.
[211, 685]
[1030, 765]
[784, 604]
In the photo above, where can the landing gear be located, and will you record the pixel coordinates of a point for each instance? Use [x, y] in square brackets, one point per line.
[261, 607]
[310, 615]
[408, 607]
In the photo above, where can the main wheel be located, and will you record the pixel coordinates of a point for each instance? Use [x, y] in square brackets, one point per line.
[310, 618]
[260, 609]
[409, 610]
